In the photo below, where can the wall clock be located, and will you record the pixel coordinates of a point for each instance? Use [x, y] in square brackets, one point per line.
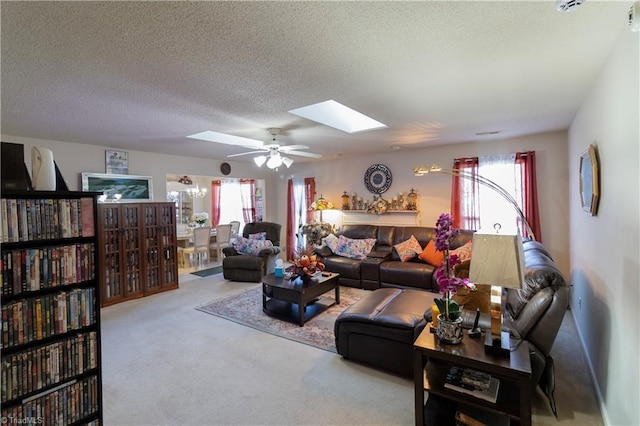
[377, 178]
[225, 168]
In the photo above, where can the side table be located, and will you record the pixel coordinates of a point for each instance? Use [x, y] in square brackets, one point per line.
[433, 359]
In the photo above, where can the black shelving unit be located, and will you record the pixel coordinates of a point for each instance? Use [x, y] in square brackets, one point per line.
[51, 362]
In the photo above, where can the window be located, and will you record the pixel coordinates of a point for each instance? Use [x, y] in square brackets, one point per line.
[493, 207]
[476, 206]
[300, 194]
[231, 202]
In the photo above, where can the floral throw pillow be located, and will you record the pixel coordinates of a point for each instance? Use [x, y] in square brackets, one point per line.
[332, 242]
[354, 248]
[258, 236]
[248, 246]
[463, 252]
[408, 249]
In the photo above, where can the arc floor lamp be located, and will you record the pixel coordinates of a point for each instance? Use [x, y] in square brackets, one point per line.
[496, 259]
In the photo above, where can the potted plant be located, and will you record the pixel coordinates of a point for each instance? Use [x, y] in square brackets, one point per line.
[449, 328]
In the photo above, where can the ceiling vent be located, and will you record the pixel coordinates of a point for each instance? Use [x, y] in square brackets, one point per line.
[568, 5]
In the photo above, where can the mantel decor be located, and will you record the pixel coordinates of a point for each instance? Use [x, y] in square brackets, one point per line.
[589, 180]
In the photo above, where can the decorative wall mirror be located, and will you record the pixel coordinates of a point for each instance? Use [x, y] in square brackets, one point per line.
[589, 180]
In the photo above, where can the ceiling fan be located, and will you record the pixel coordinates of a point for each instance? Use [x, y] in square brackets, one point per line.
[271, 153]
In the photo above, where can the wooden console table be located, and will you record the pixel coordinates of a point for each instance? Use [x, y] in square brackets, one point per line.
[432, 360]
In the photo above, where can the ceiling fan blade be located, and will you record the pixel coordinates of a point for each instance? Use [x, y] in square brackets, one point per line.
[210, 136]
[287, 148]
[304, 154]
[247, 153]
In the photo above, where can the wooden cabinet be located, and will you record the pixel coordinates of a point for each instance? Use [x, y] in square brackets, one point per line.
[138, 250]
[51, 363]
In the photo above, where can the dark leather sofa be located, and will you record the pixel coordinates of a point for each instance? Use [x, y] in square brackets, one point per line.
[383, 267]
[379, 330]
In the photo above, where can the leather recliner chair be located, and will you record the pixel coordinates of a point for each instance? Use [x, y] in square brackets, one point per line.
[535, 313]
[251, 268]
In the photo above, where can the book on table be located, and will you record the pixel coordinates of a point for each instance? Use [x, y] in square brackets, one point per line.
[475, 383]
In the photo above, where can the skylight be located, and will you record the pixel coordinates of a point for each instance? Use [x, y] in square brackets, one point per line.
[338, 116]
[228, 139]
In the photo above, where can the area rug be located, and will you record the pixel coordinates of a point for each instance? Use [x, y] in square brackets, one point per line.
[208, 272]
[246, 309]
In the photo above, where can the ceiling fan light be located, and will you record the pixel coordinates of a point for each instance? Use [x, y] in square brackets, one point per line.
[274, 162]
[287, 161]
[259, 160]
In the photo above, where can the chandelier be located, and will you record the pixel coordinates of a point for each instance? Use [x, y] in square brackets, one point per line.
[197, 192]
[273, 160]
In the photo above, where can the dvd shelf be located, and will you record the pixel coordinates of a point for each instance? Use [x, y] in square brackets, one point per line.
[51, 364]
[137, 250]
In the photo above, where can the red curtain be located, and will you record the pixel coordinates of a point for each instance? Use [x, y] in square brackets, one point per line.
[465, 215]
[215, 202]
[310, 196]
[291, 215]
[530, 190]
[248, 197]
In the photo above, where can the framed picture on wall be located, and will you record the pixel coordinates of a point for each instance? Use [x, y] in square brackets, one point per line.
[117, 162]
[130, 187]
[589, 180]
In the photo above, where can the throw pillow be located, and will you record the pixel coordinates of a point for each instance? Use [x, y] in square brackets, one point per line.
[332, 242]
[247, 246]
[258, 236]
[430, 255]
[354, 248]
[256, 246]
[463, 252]
[408, 249]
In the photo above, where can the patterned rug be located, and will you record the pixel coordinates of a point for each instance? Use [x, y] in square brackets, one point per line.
[246, 309]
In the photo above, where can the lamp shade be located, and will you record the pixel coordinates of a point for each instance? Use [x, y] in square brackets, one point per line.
[321, 204]
[497, 259]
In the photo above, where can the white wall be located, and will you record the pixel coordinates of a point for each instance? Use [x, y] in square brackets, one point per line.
[605, 250]
[434, 191]
[73, 159]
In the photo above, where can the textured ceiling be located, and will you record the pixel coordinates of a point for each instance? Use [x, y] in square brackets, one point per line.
[143, 75]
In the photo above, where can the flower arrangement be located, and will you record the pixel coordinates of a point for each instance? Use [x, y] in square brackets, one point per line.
[306, 263]
[200, 218]
[316, 231]
[445, 277]
[378, 206]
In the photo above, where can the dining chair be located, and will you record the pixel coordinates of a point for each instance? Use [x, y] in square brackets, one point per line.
[223, 239]
[200, 246]
[235, 228]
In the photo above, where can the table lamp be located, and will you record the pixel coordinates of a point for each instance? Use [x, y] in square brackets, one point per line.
[321, 204]
[497, 260]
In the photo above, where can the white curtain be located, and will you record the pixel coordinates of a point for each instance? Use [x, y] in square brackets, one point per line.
[300, 204]
[503, 170]
[231, 202]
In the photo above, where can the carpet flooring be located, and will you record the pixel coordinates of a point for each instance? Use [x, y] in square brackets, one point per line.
[246, 309]
[208, 272]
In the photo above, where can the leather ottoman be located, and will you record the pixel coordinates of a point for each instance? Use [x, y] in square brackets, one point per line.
[379, 329]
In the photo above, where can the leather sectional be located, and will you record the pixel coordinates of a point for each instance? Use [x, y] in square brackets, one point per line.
[383, 267]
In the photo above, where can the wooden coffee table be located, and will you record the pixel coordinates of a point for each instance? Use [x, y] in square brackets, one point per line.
[297, 300]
